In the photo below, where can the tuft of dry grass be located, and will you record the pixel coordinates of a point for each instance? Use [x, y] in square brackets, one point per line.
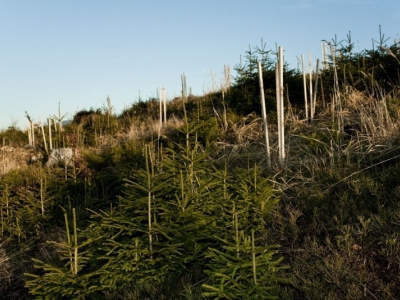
[150, 127]
[242, 141]
[370, 114]
[247, 131]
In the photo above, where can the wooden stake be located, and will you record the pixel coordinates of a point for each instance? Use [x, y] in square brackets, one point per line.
[280, 108]
[50, 140]
[305, 86]
[55, 124]
[311, 89]
[184, 88]
[164, 95]
[264, 115]
[32, 133]
[160, 99]
[227, 78]
[315, 88]
[44, 137]
[29, 129]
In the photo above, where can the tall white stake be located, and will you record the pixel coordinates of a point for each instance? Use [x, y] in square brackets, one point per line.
[160, 99]
[164, 94]
[33, 133]
[50, 140]
[29, 129]
[264, 115]
[281, 116]
[315, 88]
[311, 89]
[305, 86]
[324, 50]
[55, 124]
[227, 77]
[44, 137]
[184, 88]
[59, 117]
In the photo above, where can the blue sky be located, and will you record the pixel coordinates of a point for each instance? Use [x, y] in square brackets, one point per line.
[77, 52]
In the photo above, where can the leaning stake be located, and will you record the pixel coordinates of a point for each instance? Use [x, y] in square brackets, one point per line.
[264, 115]
[315, 88]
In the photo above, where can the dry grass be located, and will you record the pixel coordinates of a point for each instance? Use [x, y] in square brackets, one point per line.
[332, 177]
[366, 121]
[247, 131]
[371, 115]
[321, 145]
[150, 127]
[243, 141]
[16, 158]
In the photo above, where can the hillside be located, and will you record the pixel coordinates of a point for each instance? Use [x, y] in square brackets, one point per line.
[188, 208]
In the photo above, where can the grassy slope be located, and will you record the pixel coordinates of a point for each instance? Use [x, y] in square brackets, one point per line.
[338, 218]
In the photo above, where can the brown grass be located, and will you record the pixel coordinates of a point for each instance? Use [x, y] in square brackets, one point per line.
[150, 127]
[16, 158]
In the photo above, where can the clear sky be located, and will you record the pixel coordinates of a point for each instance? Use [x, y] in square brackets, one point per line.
[77, 52]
